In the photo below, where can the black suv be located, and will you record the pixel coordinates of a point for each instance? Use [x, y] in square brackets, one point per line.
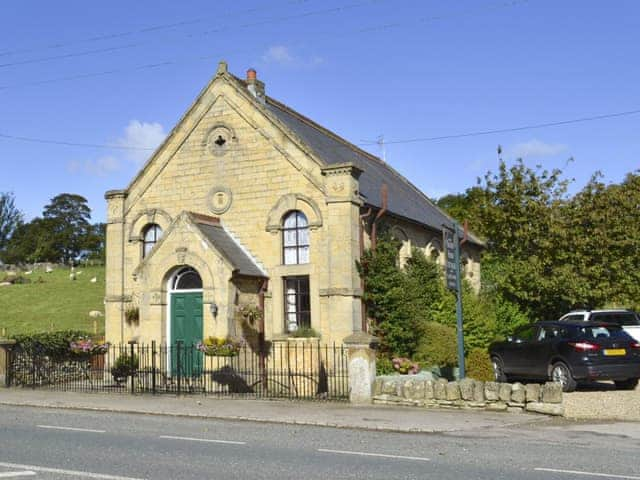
[568, 353]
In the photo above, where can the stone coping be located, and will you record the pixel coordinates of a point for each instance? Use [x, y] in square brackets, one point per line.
[424, 391]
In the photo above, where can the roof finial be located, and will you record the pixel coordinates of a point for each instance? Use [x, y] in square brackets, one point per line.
[222, 67]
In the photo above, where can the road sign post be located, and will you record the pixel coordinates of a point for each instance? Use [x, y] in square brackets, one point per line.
[452, 275]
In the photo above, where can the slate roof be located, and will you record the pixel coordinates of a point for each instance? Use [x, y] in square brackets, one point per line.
[404, 199]
[241, 260]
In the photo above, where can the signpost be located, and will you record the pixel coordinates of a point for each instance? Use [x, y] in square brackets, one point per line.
[452, 276]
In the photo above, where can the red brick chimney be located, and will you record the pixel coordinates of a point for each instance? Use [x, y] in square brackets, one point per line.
[255, 86]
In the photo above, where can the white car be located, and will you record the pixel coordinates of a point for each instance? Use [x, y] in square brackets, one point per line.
[627, 319]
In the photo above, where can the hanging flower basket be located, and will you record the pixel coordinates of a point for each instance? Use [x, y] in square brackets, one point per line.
[85, 347]
[219, 347]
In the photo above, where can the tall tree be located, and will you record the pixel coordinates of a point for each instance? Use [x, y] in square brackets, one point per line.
[69, 215]
[10, 218]
[32, 242]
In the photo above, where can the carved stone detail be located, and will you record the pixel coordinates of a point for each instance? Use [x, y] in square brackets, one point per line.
[219, 199]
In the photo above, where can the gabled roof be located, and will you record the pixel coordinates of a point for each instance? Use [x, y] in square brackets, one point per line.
[404, 199]
[241, 260]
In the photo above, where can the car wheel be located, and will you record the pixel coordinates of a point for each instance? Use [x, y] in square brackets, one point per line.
[561, 374]
[628, 384]
[498, 369]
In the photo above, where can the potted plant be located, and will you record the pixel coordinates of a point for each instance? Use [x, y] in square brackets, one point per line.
[124, 367]
[220, 347]
[132, 315]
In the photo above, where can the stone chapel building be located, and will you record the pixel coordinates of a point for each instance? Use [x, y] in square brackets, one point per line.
[250, 205]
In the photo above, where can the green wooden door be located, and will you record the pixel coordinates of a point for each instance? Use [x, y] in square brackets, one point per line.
[186, 332]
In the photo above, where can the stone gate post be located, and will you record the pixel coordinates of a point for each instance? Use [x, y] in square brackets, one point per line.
[361, 348]
[5, 352]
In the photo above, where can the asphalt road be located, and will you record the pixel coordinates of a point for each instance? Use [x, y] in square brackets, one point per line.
[63, 444]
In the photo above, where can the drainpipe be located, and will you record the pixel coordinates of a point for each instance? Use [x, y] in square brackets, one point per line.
[261, 343]
[263, 288]
[122, 277]
[363, 308]
[384, 195]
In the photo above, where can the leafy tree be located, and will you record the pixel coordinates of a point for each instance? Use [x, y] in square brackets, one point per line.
[94, 245]
[69, 215]
[464, 206]
[408, 306]
[384, 296]
[10, 218]
[32, 242]
[607, 247]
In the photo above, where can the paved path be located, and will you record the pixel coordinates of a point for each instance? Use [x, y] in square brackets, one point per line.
[344, 415]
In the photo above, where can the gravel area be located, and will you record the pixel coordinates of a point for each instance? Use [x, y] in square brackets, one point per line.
[603, 402]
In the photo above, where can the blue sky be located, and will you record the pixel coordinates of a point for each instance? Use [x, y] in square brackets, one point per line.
[404, 69]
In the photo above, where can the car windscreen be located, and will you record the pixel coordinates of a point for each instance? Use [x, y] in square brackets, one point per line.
[618, 318]
[595, 332]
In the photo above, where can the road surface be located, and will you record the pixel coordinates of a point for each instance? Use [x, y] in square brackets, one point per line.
[65, 444]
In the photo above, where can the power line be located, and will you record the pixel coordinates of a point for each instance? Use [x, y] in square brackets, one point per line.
[72, 144]
[69, 55]
[192, 35]
[149, 29]
[370, 29]
[386, 142]
[513, 129]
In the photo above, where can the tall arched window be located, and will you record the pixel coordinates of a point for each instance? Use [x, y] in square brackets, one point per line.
[151, 235]
[295, 238]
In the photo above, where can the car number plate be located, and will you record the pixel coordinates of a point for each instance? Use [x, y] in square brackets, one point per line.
[612, 352]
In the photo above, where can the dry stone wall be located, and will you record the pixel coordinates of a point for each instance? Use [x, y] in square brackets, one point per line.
[423, 391]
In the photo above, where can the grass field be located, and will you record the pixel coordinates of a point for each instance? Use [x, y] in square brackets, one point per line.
[58, 303]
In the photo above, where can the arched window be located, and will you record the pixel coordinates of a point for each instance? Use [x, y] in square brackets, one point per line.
[295, 238]
[186, 279]
[151, 235]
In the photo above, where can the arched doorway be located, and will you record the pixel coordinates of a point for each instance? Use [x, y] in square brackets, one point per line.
[185, 326]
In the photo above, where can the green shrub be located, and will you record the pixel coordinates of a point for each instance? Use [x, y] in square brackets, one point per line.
[304, 332]
[437, 345]
[124, 366]
[479, 365]
[384, 366]
[54, 345]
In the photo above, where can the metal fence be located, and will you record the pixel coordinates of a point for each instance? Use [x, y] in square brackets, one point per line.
[294, 370]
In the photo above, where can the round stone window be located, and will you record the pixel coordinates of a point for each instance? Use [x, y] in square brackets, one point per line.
[219, 140]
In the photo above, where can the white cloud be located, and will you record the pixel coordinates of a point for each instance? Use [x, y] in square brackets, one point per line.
[278, 54]
[100, 167]
[284, 56]
[143, 137]
[535, 148]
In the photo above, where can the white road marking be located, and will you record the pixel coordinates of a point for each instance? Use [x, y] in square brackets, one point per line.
[28, 473]
[365, 454]
[191, 439]
[73, 429]
[74, 473]
[590, 474]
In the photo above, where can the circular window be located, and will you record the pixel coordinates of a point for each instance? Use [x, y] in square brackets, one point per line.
[219, 140]
[186, 279]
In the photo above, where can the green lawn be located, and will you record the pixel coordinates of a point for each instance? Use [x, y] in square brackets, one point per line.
[58, 303]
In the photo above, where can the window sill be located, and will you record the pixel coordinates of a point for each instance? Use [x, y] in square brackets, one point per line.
[285, 337]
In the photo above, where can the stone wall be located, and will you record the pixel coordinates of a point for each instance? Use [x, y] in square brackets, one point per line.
[422, 391]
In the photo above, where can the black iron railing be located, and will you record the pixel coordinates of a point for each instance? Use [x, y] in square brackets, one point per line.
[289, 369]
